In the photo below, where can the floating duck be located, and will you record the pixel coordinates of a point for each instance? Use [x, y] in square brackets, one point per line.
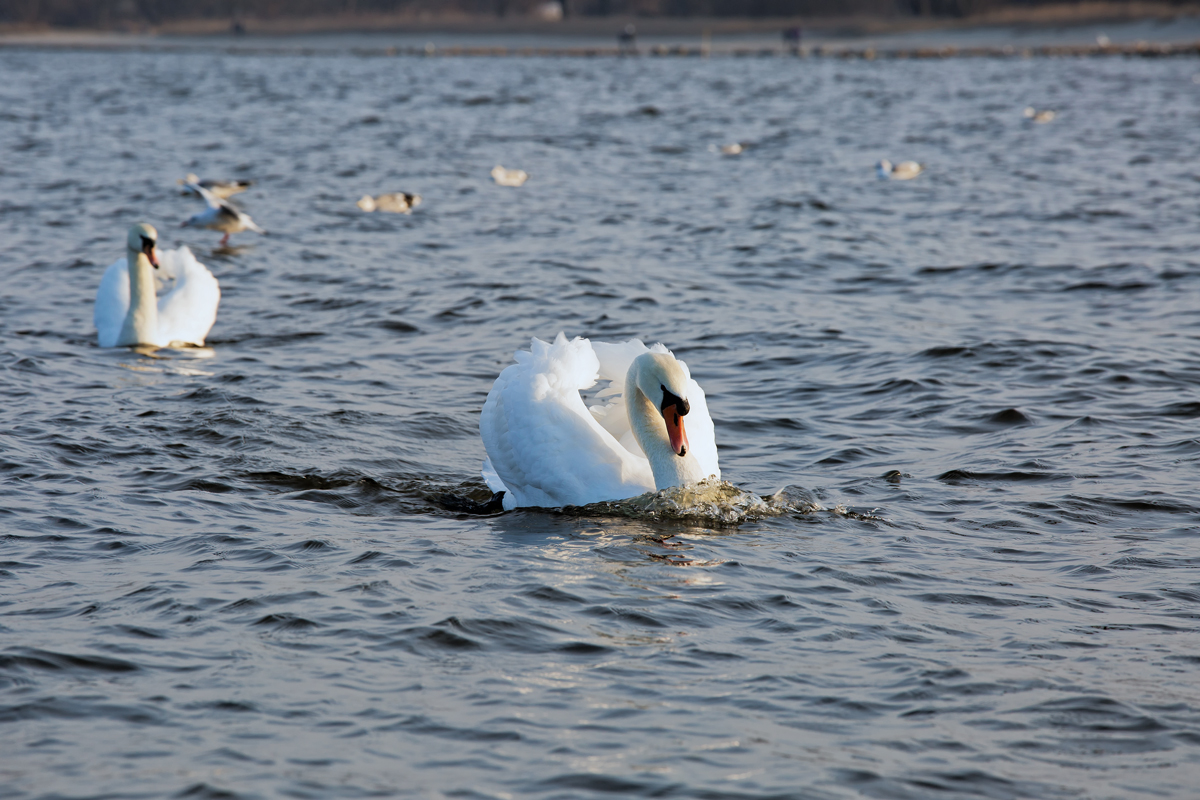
[545, 447]
[1043, 116]
[509, 177]
[129, 310]
[220, 216]
[904, 171]
[732, 149]
[222, 189]
[396, 202]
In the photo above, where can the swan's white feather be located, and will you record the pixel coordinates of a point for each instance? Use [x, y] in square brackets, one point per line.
[546, 448]
[112, 303]
[186, 310]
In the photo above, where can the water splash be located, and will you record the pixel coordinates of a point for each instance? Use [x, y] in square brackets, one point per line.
[710, 502]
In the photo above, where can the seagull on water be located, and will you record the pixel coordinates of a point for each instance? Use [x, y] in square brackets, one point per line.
[509, 177]
[220, 215]
[904, 171]
[396, 202]
[222, 189]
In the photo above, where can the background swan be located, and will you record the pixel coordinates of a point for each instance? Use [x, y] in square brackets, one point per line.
[128, 309]
[221, 215]
[547, 448]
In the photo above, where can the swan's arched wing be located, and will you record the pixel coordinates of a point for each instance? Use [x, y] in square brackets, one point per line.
[542, 442]
[112, 303]
[701, 433]
[609, 405]
[187, 312]
[609, 408]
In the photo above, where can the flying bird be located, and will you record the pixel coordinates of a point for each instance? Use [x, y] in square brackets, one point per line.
[220, 215]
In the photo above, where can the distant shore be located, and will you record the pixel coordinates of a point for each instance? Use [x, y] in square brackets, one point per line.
[1088, 28]
[1051, 16]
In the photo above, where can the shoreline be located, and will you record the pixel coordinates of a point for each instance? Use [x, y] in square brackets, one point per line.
[1085, 29]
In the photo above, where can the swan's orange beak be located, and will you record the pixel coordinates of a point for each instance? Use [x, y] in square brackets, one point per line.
[675, 431]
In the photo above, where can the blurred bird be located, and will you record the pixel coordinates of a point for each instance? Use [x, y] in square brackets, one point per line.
[509, 177]
[732, 149]
[219, 216]
[396, 202]
[222, 189]
[904, 171]
[1045, 115]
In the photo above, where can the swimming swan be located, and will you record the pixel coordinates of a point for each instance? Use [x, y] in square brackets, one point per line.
[127, 309]
[546, 448]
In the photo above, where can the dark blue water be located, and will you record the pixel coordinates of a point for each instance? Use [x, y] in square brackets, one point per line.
[231, 573]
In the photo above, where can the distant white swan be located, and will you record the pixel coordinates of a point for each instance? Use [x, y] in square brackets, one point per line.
[904, 171]
[1043, 116]
[509, 177]
[220, 216]
[546, 448]
[395, 202]
[128, 310]
[222, 189]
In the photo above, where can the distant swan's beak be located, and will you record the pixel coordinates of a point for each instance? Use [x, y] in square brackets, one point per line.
[151, 251]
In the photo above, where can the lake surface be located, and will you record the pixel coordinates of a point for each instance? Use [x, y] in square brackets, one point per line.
[230, 573]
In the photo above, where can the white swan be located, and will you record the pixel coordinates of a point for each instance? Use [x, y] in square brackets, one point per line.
[221, 215]
[128, 311]
[546, 448]
[904, 171]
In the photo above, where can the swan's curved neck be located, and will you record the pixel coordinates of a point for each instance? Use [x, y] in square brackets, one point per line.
[651, 433]
[141, 323]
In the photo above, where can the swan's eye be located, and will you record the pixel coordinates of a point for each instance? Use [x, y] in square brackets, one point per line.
[147, 243]
[682, 407]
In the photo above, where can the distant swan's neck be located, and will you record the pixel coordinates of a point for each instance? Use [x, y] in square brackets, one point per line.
[141, 323]
[651, 433]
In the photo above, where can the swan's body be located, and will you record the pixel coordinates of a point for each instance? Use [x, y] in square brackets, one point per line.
[395, 202]
[546, 448]
[904, 171]
[222, 189]
[128, 309]
[220, 215]
[509, 177]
